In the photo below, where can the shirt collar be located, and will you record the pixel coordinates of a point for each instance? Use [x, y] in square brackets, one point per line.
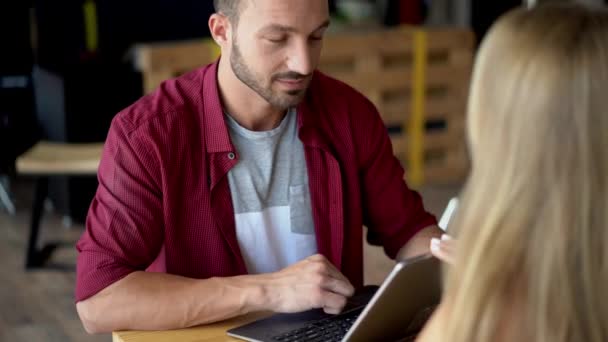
[217, 138]
[310, 111]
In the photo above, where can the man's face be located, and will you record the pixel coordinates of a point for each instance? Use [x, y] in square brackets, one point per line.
[276, 47]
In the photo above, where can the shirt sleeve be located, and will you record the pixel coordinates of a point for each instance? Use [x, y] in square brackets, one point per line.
[392, 211]
[124, 226]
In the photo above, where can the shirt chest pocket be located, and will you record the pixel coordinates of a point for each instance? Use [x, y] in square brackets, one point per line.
[300, 210]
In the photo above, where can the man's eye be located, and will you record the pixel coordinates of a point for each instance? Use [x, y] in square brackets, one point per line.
[316, 38]
[277, 40]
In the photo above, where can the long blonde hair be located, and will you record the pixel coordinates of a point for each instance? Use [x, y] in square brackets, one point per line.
[533, 224]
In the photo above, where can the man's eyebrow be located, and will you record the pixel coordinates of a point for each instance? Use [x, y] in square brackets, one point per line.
[289, 29]
[323, 26]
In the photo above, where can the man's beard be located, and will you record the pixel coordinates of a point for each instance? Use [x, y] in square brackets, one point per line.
[279, 100]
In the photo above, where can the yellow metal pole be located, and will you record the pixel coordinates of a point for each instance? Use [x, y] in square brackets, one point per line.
[214, 49]
[89, 9]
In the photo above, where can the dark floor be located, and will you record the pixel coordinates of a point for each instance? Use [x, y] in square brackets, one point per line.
[38, 305]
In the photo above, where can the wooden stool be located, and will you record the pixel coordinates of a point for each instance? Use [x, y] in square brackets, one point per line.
[45, 160]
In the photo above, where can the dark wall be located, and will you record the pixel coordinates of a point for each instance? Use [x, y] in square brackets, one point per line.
[18, 127]
[16, 57]
[120, 24]
[486, 12]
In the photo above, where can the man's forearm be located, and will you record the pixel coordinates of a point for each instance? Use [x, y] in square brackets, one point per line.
[156, 301]
[419, 243]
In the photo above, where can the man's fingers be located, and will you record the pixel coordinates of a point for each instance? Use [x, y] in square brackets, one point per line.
[332, 311]
[316, 258]
[333, 303]
[337, 286]
[327, 277]
[313, 283]
[333, 271]
[323, 266]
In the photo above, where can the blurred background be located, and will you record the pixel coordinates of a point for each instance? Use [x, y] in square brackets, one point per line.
[67, 67]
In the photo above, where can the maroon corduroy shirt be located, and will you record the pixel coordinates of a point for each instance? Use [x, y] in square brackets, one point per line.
[164, 204]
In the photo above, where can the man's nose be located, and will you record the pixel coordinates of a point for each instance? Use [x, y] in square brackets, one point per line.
[300, 59]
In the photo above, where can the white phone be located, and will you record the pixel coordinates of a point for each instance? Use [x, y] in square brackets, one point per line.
[450, 209]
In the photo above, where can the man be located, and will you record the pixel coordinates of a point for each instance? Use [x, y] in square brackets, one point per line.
[243, 186]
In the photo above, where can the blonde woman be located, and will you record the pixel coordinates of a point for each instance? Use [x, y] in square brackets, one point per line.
[531, 262]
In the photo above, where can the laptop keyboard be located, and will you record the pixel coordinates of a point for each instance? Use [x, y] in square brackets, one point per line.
[326, 330]
[335, 328]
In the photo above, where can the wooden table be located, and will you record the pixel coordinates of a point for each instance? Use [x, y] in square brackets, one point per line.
[215, 332]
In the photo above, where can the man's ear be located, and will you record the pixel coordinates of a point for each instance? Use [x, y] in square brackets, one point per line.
[221, 29]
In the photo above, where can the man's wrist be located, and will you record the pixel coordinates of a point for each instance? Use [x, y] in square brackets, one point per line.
[255, 296]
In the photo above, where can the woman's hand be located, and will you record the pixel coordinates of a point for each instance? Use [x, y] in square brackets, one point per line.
[444, 248]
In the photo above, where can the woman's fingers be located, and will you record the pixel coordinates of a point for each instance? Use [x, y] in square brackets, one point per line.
[444, 248]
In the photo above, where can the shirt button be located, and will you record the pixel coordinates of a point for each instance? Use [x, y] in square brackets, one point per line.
[231, 156]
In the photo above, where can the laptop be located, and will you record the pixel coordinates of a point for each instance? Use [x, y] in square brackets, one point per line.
[395, 311]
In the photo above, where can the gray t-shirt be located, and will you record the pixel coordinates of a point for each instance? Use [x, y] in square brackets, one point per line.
[270, 195]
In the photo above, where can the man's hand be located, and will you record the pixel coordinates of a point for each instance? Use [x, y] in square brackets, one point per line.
[444, 249]
[310, 284]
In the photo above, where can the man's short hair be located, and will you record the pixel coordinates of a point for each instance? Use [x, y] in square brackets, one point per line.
[229, 8]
